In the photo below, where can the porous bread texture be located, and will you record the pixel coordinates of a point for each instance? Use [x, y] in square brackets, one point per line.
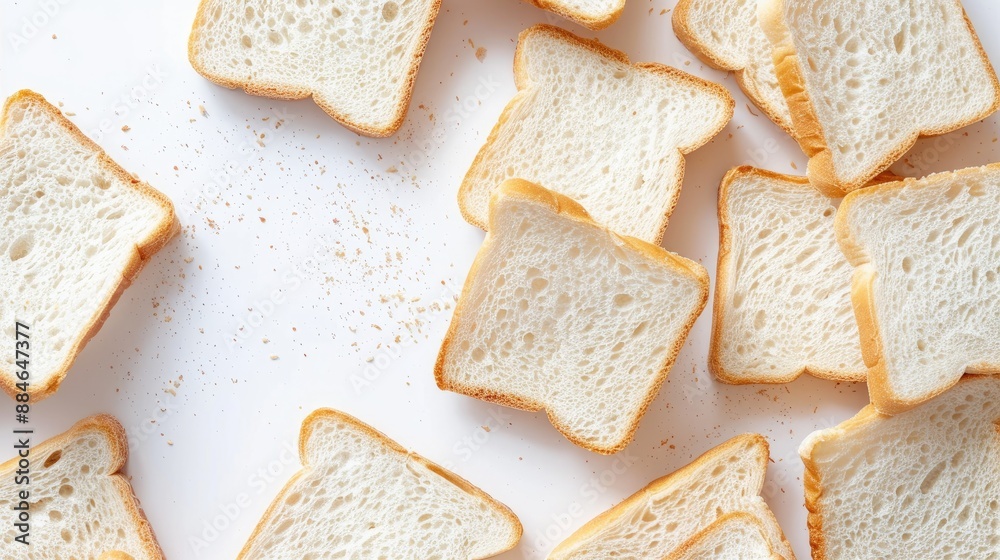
[921, 484]
[81, 507]
[588, 124]
[783, 291]
[926, 287]
[592, 14]
[561, 314]
[358, 60]
[360, 495]
[735, 536]
[659, 519]
[725, 35]
[77, 228]
[864, 80]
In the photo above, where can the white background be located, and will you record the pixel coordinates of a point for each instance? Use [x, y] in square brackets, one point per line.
[331, 245]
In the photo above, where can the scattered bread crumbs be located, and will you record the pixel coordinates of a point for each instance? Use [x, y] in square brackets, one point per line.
[201, 109]
[265, 340]
[794, 166]
[126, 128]
[481, 54]
[188, 260]
[170, 442]
[54, 36]
[274, 356]
[263, 219]
[486, 428]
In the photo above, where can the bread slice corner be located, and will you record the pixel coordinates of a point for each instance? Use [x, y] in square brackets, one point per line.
[549, 236]
[592, 14]
[735, 536]
[724, 34]
[658, 520]
[51, 169]
[78, 488]
[375, 480]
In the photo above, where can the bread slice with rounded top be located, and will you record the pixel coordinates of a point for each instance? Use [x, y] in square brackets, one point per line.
[921, 484]
[588, 124]
[81, 506]
[926, 284]
[735, 536]
[358, 60]
[783, 291]
[658, 521]
[361, 495]
[561, 314]
[864, 80]
[592, 14]
[725, 35]
[77, 230]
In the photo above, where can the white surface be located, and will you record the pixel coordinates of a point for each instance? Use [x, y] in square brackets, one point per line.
[236, 414]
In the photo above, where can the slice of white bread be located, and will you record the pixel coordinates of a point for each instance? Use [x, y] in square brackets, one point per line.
[735, 536]
[593, 14]
[80, 505]
[77, 228]
[724, 34]
[783, 291]
[926, 288]
[588, 124]
[658, 520]
[361, 495]
[357, 59]
[863, 80]
[561, 314]
[921, 484]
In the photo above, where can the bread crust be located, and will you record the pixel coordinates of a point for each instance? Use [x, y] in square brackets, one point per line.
[685, 549]
[863, 300]
[523, 96]
[144, 248]
[808, 129]
[722, 281]
[114, 433]
[626, 507]
[276, 90]
[306, 432]
[595, 23]
[681, 23]
[567, 207]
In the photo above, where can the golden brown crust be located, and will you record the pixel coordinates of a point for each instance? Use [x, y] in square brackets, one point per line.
[114, 433]
[567, 207]
[685, 549]
[525, 86]
[681, 23]
[306, 433]
[286, 92]
[808, 129]
[595, 23]
[637, 500]
[722, 280]
[863, 296]
[144, 249]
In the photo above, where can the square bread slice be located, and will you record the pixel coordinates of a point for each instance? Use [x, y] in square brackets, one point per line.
[658, 520]
[725, 35]
[864, 80]
[561, 314]
[735, 536]
[783, 290]
[357, 59]
[360, 495]
[926, 287]
[80, 505]
[588, 124]
[921, 484]
[592, 14]
[77, 228]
